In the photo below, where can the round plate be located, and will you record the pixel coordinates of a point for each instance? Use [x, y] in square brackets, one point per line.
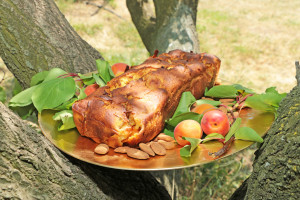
[82, 148]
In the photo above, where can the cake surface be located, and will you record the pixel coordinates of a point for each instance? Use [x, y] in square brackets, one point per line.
[133, 107]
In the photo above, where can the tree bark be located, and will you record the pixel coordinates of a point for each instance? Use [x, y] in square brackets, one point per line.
[172, 25]
[32, 168]
[276, 169]
[35, 36]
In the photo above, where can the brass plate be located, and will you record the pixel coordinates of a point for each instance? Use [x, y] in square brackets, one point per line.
[82, 148]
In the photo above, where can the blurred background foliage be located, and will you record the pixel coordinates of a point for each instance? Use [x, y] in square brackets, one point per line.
[257, 40]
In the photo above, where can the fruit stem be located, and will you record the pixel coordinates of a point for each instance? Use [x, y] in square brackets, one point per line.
[225, 148]
[68, 75]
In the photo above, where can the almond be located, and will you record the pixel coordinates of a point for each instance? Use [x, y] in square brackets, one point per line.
[207, 98]
[165, 137]
[227, 100]
[158, 148]
[101, 149]
[146, 148]
[137, 154]
[167, 145]
[121, 149]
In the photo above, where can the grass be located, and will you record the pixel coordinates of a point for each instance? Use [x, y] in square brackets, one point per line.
[257, 40]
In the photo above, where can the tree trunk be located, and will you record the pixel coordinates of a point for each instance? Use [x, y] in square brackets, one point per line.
[35, 36]
[276, 169]
[171, 26]
[32, 168]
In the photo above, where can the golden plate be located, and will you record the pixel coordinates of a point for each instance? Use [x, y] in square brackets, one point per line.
[82, 148]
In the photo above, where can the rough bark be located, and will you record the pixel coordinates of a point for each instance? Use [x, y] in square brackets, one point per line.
[35, 36]
[31, 168]
[170, 25]
[276, 169]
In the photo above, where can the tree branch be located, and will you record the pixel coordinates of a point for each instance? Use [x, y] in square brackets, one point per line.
[102, 7]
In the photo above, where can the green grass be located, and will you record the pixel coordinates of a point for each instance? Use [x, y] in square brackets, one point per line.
[90, 30]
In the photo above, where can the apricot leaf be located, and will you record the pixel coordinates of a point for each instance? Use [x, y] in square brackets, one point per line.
[243, 90]
[266, 102]
[212, 136]
[54, 73]
[38, 78]
[206, 101]
[23, 98]
[53, 93]
[187, 150]
[66, 118]
[222, 91]
[98, 80]
[104, 70]
[235, 126]
[247, 133]
[184, 116]
[187, 98]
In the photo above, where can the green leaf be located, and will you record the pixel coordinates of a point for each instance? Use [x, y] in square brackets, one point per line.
[66, 117]
[2, 95]
[243, 90]
[38, 78]
[83, 77]
[67, 105]
[271, 90]
[187, 150]
[169, 130]
[53, 93]
[213, 136]
[82, 94]
[184, 116]
[206, 101]
[104, 70]
[186, 100]
[222, 91]
[235, 126]
[17, 87]
[25, 111]
[89, 81]
[54, 73]
[23, 98]
[246, 133]
[98, 80]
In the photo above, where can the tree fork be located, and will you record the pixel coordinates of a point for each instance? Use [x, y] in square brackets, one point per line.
[170, 25]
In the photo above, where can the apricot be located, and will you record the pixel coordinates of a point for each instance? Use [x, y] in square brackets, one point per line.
[202, 108]
[187, 128]
[215, 121]
[119, 68]
[90, 89]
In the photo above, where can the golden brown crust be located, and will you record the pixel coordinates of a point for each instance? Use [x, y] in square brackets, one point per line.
[133, 107]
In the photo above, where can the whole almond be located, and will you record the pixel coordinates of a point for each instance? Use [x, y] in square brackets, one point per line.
[101, 149]
[121, 149]
[207, 98]
[146, 148]
[137, 154]
[165, 137]
[167, 145]
[158, 148]
[227, 100]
